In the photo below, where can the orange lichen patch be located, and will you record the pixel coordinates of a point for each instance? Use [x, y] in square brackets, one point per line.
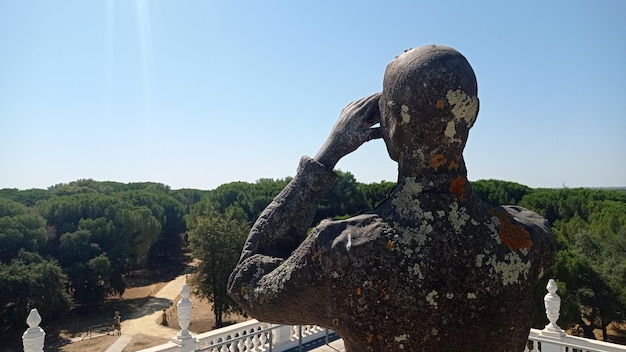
[358, 291]
[512, 235]
[453, 166]
[440, 104]
[370, 337]
[391, 245]
[437, 161]
[457, 187]
[317, 254]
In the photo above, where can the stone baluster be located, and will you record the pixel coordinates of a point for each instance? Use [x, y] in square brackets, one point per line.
[552, 303]
[281, 335]
[552, 331]
[256, 342]
[263, 339]
[184, 339]
[241, 345]
[33, 338]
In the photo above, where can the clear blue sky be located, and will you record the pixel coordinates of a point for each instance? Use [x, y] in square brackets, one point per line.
[194, 94]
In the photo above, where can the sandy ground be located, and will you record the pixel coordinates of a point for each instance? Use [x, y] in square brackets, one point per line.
[145, 323]
[145, 320]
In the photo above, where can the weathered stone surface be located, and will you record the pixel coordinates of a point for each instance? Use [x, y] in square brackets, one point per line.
[432, 268]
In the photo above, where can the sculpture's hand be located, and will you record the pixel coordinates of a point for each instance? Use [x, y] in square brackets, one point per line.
[352, 129]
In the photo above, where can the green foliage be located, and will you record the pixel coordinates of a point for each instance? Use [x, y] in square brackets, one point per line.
[496, 192]
[130, 230]
[20, 227]
[188, 196]
[251, 198]
[170, 212]
[104, 187]
[590, 226]
[375, 193]
[344, 198]
[564, 204]
[28, 282]
[217, 240]
[28, 197]
[604, 243]
[587, 301]
[97, 231]
[96, 225]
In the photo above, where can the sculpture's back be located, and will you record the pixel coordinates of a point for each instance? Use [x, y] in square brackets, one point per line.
[455, 277]
[449, 273]
[432, 268]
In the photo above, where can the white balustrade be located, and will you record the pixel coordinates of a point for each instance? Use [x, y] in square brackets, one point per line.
[256, 336]
[251, 335]
[184, 339]
[552, 303]
[553, 339]
[33, 338]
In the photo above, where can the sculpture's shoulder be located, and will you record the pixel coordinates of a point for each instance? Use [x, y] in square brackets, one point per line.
[516, 222]
[355, 233]
[528, 219]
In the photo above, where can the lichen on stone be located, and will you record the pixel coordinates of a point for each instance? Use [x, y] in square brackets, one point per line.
[415, 270]
[405, 203]
[457, 217]
[430, 298]
[512, 235]
[404, 112]
[457, 187]
[464, 106]
[479, 260]
[510, 268]
[437, 161]
[403, 337]
[450, 132]
[492, 225]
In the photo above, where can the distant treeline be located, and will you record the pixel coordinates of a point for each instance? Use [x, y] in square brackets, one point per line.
[75, 242]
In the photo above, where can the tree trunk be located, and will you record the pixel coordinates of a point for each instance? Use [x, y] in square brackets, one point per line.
[587, 329]
[218, 315]
[605, 334]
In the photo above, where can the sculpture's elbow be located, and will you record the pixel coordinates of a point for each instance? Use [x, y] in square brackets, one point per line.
[244, 284]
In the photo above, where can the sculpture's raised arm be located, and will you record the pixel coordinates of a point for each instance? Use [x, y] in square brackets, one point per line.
[283, 225]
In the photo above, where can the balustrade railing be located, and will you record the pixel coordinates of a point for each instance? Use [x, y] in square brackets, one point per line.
[256, 336]
[553, 339]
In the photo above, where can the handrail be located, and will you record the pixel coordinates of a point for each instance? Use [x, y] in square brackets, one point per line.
[571, 342]
[243, 337]
[260, 336]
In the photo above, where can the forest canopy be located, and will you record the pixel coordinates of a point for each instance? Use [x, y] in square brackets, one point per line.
[76, 242]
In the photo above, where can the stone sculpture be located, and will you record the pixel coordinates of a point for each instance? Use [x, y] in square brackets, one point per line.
[432, 268]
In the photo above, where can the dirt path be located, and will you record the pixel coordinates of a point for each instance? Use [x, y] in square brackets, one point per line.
[146, 319]
[143, 325]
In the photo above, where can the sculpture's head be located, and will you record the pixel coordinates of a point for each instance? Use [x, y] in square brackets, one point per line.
[428, 104]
